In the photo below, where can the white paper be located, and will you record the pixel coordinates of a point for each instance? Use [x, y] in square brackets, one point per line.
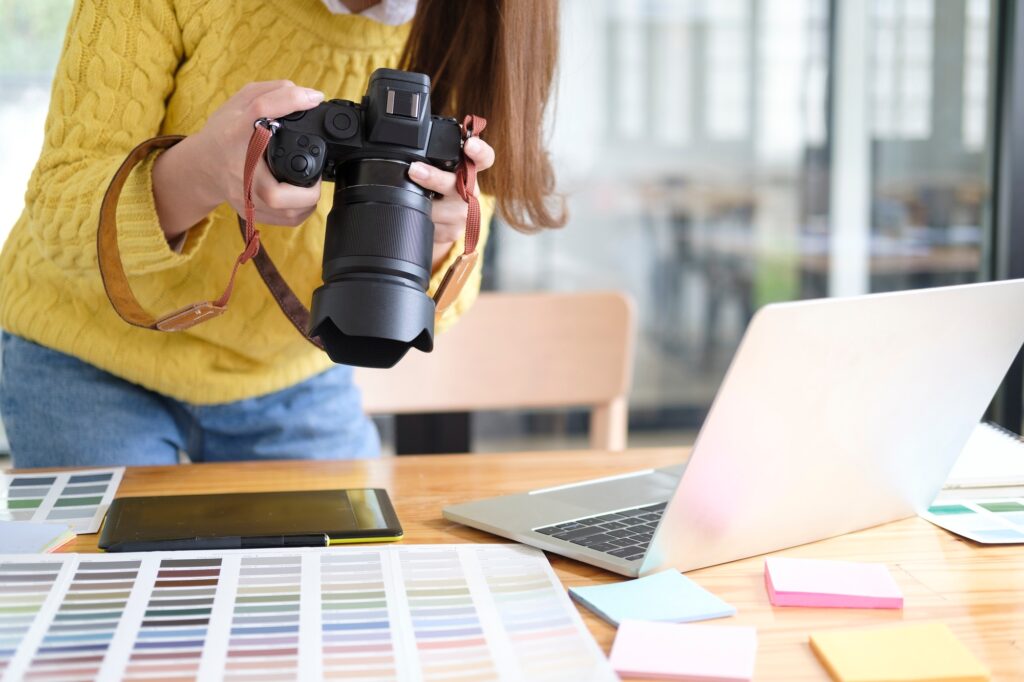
[78, 498]
[416, 612]
[992, 457]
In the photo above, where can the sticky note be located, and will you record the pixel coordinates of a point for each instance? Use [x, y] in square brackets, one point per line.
[817, 582]
[918, 652]
[665, 596]
[32, 537]
[685, 652]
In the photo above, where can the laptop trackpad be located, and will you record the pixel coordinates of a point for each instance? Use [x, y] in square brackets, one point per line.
[648, 487]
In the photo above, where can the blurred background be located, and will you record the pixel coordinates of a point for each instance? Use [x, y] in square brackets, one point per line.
[716, 155]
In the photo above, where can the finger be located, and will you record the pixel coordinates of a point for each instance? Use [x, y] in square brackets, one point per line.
[286, 216]
[272, 194]
[445, 233]
[283, 101]
[251, 91]
[481, 153]
[450, 212]
[431, 178]
[282, 218]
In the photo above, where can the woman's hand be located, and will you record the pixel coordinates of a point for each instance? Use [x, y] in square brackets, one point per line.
[206, 169]
[449, 212]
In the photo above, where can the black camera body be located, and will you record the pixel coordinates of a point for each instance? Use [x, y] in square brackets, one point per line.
[378, 248]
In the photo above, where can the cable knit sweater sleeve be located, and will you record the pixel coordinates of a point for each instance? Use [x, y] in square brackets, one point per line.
[115, 73]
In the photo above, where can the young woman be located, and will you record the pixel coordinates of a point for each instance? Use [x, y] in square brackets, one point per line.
[80, 386]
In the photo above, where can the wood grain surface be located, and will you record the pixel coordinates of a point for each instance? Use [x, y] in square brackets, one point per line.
[977, 590]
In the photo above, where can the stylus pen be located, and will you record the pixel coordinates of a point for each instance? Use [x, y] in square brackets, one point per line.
[230, 542]
[314, 540]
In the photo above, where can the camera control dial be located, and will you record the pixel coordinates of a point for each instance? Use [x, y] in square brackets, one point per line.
[341, 122]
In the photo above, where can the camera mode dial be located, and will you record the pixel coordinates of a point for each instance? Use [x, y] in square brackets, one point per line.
[341, 122]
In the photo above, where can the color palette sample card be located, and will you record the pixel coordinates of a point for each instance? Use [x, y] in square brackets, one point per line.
[77, 498]
[32, 537]
[992, 522]
[824, 583]
[667, 596]
[914, 652]
[418, 612]
[673, 651]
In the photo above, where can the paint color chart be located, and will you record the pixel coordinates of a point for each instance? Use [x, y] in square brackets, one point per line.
[264, 636]
[174, 624]
[24, 587]
[77, 498]
[78, 638]
[417, 613]
[992, 522]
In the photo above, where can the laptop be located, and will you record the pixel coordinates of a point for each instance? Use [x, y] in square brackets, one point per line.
[835, 415]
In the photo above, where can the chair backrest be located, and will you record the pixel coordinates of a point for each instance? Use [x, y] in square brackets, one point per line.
[521, 351]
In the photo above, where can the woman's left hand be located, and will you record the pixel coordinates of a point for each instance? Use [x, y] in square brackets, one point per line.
[449, 212]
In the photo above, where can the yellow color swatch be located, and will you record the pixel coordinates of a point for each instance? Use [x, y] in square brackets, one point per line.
[924, 652]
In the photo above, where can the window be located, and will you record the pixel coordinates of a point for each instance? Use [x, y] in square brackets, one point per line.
[31, 35]
[902, 70]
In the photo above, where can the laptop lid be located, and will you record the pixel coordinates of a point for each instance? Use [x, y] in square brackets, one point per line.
[837, 415]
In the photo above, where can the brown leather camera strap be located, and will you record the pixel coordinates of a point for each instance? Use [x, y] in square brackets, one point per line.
[115, 280]
[127, 306]
[465, 184]
[287, 301]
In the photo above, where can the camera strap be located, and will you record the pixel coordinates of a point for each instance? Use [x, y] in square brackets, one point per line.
[127, 306]
[115, 280]
[465, 184]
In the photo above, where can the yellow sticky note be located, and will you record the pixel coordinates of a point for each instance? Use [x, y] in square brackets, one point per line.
[919, 652]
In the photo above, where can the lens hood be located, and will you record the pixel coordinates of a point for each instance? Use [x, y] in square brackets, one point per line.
[372, 323]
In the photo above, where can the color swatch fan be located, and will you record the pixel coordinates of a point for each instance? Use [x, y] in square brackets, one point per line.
[77, 498]
[420, 612]
[991, 522]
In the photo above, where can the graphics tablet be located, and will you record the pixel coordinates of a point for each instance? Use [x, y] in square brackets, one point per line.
[249, 520]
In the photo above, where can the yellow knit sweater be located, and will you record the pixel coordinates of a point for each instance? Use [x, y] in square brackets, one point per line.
[134, 69]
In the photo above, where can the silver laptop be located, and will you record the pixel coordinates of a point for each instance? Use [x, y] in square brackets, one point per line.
[835, 415]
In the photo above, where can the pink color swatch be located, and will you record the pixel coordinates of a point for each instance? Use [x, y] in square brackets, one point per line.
[822, 583]
[675, 651]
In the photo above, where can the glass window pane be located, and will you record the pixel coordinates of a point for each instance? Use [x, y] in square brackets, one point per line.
[31, 34]
[736, 211]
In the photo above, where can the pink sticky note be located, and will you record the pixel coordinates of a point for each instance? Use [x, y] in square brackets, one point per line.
[677, 651]
[817, 582]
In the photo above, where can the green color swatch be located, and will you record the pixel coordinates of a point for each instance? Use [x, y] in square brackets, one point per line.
[79, 501]
[945, 509]
[1002, 506]
[23, 504]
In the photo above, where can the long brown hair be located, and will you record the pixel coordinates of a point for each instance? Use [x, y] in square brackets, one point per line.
[496, 58]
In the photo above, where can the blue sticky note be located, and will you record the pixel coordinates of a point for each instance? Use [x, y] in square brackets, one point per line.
[668, 596]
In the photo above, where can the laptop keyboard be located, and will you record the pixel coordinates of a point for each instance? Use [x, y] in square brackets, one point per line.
[624, 534]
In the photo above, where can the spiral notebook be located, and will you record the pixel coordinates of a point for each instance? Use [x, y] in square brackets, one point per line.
[993, 457]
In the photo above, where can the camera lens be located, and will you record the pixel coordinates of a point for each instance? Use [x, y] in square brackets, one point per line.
[373, 305]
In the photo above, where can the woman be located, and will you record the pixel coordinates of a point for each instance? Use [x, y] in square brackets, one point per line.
[80, 386]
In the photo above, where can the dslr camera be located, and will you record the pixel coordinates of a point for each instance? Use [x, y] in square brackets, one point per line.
[373, 304]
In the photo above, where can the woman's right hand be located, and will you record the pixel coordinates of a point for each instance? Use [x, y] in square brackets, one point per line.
[206, 169]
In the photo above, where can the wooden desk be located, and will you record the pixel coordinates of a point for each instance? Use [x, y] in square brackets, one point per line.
[978, 591]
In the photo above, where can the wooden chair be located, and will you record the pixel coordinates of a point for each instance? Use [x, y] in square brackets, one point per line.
[521, 351]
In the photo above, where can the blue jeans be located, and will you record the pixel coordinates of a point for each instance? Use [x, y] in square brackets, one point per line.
[61, 411]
